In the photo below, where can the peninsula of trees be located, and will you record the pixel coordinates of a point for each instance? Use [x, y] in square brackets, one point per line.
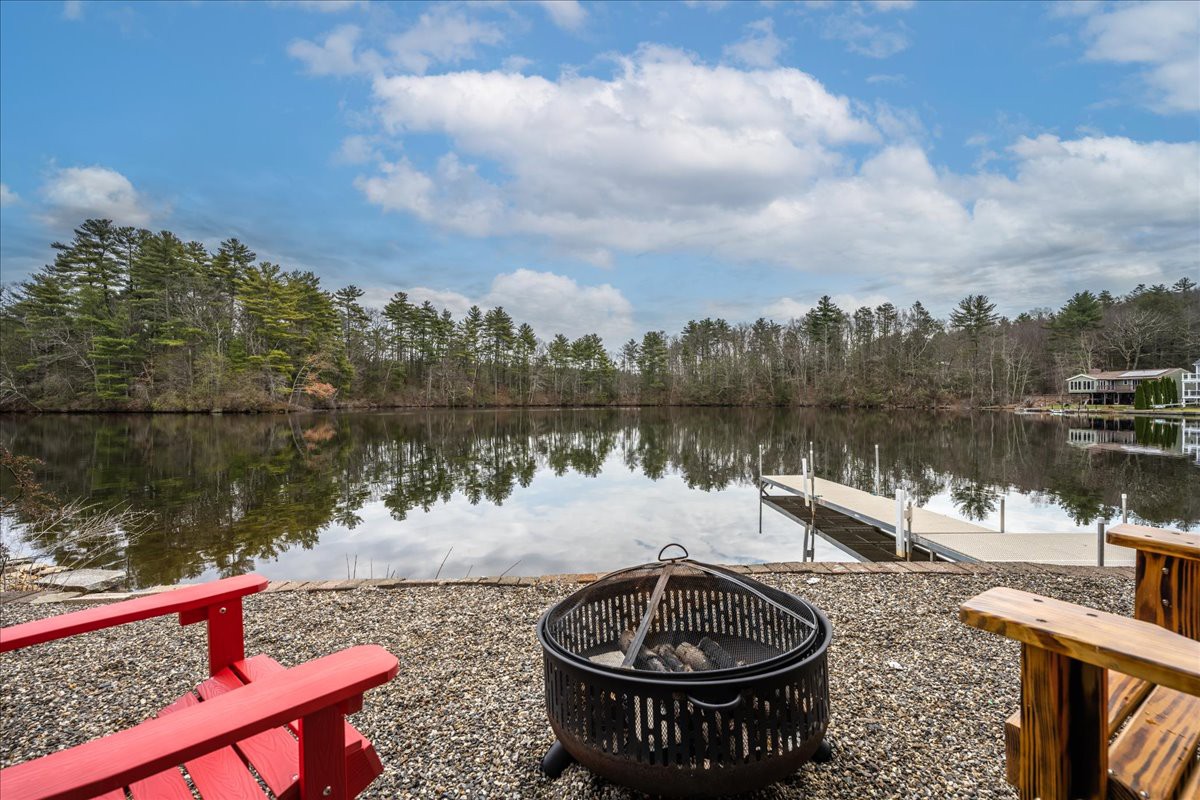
[125, 319]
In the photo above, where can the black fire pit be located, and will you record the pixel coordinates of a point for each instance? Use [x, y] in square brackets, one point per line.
[685, 679]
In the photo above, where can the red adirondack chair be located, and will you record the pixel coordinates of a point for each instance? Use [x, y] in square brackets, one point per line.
[245, 714]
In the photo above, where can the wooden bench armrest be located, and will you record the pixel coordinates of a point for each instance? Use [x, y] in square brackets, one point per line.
[1125, 645]
[306, 692]
[1163, 541]
[189, 602]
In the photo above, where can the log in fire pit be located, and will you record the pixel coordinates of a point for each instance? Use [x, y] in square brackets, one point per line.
[685, 679]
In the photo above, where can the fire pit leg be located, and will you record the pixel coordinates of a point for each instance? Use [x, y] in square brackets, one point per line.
[556, 760]
[823, 753]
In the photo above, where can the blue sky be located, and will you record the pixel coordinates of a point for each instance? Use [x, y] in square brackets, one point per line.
[625, 166]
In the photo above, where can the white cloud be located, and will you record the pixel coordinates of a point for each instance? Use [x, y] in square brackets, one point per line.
[357, 149]
[569, 15]
[73, 10]
[707, 5]
[337, 54]
[863, 37]
[551, 303]
[760, 47]
[897, 79]
[663, 135]
[442, 35]
[76, 193]
[400, 188]
[557, 304]
[7, 196]
[515, 63]
[787, 308]
[766, 166]
[892, 5]
[1165, 37]
[322, 6]
[671, 155]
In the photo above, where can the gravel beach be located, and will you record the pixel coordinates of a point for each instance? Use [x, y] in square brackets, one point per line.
[464, 718]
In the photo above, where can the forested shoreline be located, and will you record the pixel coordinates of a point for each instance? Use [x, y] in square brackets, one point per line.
[128, 320]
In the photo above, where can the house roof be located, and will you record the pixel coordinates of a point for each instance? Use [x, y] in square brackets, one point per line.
[1131, 374]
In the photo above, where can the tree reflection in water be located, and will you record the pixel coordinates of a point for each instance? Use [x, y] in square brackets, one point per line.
[229, 491]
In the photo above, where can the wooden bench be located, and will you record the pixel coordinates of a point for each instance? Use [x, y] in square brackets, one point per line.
[288, 725]
[1068, 653]
[1167, 593]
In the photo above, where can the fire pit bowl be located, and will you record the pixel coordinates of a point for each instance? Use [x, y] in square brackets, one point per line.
[685, 679]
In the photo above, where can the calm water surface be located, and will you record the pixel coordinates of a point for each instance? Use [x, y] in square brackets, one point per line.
[536, 492]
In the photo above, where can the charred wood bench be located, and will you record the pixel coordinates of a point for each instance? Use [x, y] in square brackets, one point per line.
[1112, 703]
[288, 725]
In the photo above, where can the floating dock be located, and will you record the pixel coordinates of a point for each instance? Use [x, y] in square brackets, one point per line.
[931, 534]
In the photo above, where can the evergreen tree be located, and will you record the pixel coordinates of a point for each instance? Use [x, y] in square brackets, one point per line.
[974, 315]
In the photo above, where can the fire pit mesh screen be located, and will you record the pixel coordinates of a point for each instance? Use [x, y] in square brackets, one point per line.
[681, 616]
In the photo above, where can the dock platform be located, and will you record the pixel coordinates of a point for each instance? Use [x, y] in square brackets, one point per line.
[944, 536]
[854, 538]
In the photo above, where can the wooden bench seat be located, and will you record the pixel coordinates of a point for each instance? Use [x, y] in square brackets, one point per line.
[1156, 750]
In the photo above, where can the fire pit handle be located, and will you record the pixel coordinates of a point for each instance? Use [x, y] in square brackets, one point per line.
[673, 544]
[730, 706]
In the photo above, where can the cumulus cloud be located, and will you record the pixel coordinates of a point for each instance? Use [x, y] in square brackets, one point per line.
[442, 35]
[336, 54]
[1163, 36]
[551, 303]
[760, 47]
[665, 133]
[7, 196]
[75, 193]
[669, 154]
[569, 15]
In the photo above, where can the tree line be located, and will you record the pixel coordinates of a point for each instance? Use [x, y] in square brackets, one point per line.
[127, 319]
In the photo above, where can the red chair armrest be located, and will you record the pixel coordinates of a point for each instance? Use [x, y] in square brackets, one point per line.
[189, 602]
[334, 682]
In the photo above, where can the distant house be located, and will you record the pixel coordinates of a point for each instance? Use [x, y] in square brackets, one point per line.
[1117, 387]
[1191, 386]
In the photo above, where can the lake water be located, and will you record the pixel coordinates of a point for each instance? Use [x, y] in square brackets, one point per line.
[547, 491]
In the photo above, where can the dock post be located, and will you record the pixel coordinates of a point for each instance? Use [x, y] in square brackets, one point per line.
[811, 461]
[1099, 544]
[876, 469]
[761, 488]
[900, 523]
[804, 479]
[908, 523]
[1124, 508]
[1002, 515]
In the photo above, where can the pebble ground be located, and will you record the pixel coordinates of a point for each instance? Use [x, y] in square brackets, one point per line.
[464, 719]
